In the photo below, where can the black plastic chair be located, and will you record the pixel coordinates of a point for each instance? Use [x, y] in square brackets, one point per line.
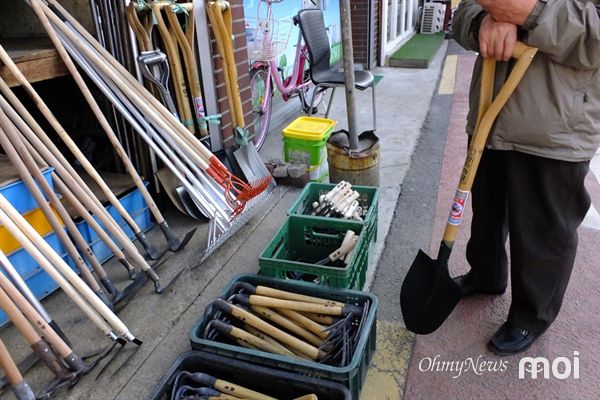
[322, 74]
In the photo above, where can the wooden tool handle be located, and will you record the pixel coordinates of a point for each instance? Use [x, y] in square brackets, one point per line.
[12, 219]
[269, 339]
[524, 55]
[98, 112]
[256, 342]
[270, 330]
[347, 246]
[289, 325]
[320, 318]
[285, 295]
[8, 365]
[305, 322]
[295, 305]
[336, 189]
[18, 319]
[59, 345]
[240, 391]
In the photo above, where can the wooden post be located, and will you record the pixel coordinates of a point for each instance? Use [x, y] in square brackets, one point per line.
[348, 61]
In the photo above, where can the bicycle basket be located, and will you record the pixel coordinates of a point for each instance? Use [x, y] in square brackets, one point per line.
[267, 39]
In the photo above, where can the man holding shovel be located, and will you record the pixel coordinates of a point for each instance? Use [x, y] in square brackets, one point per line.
[530, 182]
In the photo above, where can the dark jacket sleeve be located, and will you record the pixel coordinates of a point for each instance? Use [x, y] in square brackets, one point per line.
[567, 31]
[465, 24]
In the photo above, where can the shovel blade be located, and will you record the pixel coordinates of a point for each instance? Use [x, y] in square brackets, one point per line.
[428, 294]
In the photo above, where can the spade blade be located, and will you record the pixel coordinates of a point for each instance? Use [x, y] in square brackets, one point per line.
[428, 294]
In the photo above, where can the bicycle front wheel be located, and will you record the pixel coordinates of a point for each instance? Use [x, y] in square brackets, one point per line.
[261, 104]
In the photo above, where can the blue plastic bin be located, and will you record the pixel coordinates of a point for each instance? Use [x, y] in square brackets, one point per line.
[36, 278]
[18, 195]
[138, 209]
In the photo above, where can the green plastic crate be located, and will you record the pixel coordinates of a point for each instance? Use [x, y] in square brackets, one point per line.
[301, 242]
[351, 376]
[369, 197]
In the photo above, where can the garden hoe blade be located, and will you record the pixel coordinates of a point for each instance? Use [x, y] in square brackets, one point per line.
[122, 343]
[129, 291]
[177, 244]
[428, 293]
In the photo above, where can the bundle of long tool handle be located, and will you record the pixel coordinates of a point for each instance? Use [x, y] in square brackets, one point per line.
[197, 385]
[214, 190]
[286, 323]
[176, 59]
[340, 202]
[32, 321]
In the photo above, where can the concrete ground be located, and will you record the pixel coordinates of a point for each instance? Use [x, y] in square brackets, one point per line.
[421, 124]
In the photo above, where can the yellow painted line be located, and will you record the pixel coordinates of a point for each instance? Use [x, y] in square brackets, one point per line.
[448, 75]
[386, 378]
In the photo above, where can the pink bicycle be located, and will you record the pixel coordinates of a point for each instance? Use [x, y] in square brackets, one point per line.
[267, 40]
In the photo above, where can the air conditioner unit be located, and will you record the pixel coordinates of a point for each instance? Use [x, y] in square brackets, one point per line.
[432, 18]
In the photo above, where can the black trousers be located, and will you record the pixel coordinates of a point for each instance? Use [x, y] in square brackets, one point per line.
[539, 203]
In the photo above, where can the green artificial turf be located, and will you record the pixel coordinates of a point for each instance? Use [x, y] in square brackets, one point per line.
[418, 51]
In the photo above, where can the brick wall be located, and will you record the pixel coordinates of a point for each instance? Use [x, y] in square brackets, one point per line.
[241, 60]
[365, 27]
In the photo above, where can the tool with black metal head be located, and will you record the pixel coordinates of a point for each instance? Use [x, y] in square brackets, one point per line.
[174, 243]
[428, 292]
[19, 386]
[85, 163]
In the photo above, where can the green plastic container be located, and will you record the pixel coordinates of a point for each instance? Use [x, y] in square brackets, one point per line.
[351, 376]
[301, 242]
[304, 142]
[369, 197]
[308, 152]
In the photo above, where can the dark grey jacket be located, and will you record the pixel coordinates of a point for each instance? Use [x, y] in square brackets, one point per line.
[555, 111]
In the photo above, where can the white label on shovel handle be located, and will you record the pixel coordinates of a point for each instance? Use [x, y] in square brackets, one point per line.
[458, 207]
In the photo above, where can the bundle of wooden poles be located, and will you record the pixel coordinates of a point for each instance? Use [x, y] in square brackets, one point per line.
[212, 187]
[286, 323]
[197, 385]
[176, 26]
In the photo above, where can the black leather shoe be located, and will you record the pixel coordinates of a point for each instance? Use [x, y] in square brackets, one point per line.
[509, 340]
[469, 288]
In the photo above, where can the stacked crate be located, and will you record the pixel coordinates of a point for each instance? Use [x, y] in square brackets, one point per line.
[304, 239]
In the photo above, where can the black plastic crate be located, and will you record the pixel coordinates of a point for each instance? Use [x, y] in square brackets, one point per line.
[279, 384]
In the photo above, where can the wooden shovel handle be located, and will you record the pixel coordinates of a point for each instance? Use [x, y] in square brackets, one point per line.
[177, 78]
[110, 65]
[524, 55]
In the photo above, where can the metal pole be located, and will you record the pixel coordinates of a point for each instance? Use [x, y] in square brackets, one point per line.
[348, 60]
